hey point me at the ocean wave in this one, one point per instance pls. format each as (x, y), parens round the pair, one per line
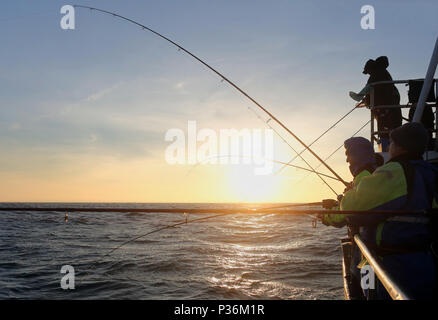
(234, 257)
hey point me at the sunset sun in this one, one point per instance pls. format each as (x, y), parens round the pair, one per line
(247, 186)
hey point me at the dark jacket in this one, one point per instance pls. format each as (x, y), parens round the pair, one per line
(384, 94)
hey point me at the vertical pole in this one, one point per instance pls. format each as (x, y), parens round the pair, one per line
(436, 116)
(373, 138)
(427, 84)
(372, 128)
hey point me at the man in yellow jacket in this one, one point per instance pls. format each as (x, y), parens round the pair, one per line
(405, 183)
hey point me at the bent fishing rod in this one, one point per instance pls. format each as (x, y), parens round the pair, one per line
(222, 77)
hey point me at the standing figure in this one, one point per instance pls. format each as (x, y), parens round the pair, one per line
(384, 94)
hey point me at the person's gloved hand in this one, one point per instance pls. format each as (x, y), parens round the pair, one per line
(361, 104)
(360, 154)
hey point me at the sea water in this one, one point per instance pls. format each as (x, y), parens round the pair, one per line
(238, 256)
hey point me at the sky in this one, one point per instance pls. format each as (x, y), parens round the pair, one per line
(84, 112)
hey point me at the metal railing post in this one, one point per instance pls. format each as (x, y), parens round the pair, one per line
(372, 114)
(390, 285)
(436, 115)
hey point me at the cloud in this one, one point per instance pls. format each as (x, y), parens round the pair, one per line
(180, 85)
(101, 93)
(15, 126)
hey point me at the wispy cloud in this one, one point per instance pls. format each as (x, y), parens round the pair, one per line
(101, 93)
(15, 126)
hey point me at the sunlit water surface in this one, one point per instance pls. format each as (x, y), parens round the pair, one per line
(258, 256)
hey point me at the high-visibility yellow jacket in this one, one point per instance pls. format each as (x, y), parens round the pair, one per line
(404, 185)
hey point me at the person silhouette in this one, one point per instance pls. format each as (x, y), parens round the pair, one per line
(384, 94)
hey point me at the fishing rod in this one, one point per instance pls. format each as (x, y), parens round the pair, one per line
(316, 140)
(209, 210)
(222, 77)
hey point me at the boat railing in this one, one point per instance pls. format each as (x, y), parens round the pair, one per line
(375, 133)
(387, 281)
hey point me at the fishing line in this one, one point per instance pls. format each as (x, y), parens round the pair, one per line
(291, 205)
(314, 141)
(242, 211)
(252, 157)
(298, 154)
(275, 161)
(186, 221)
(338, 148)
(222, 77)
